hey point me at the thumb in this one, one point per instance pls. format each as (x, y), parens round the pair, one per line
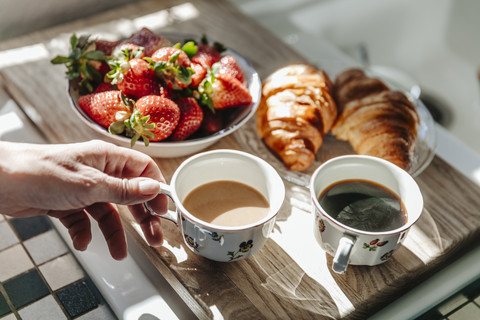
(131, 191)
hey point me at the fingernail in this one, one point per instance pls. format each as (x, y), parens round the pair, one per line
(148, 187)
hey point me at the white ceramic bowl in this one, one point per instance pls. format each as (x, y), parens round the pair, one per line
(172, 149)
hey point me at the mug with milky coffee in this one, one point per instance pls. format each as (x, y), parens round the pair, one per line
(226, 203)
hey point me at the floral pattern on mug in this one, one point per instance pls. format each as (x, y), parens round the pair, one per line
(191, 243)
(387, 255)
(374, 244)
(321, 225)
(216, 237)
(245, 246)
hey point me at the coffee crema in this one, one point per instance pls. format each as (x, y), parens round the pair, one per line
(227, 203)
(364, 205)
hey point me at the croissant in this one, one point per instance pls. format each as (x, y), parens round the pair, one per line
(375, 120)
(296, 110)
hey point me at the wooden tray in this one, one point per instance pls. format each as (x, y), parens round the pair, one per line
(291, 276)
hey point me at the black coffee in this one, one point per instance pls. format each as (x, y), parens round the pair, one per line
(364, 205)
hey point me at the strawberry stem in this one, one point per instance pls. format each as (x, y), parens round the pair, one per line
(169, 72)
(78, 62)
(205, 89)
(137, 127)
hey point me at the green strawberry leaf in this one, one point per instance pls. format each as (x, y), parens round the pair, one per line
(216, 45)
(168, 72)
(205, 89)
(174, 57)
(95, 55)
(219, 47)
(138, 127)
(117, 127)
(78, 62)
(206, 101)
(129, 103)
(184, 75)
(73, 41)
(204, 39)
(61, 60)
(190, 49)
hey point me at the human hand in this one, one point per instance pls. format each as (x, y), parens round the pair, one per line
(72, 181)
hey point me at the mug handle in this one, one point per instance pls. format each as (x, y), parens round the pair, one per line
(170, 214)
(345, 246)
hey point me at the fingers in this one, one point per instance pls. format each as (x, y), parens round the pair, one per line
(118, 161)
(129, 191)
(151, 225)
(111, 226)
(159, 204)
(78, 225)
(109, 222)
(109, 173)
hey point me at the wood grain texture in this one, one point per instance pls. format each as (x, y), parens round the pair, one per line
(291, 276)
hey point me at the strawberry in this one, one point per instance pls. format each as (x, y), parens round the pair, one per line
(105, 86)
(212, 121)
(106, 46)
(172, 66)
(134, 51)
(227, 91)
(199, 75)
(148, 40)
(191, 117)
(206, 55)
(163, 113)
(166, 53)
(166, 92)
(229, 65)
(137, 81)
(103, 107)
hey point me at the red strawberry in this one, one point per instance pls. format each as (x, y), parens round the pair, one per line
(172, 66)
(199, 75)
(102, 107)
(139, 80)
(191, 117)
(166, 92)
(229, 65)
(135, 50)
(227, 91)
(163, 112)
(166, 53)
(103, 68)
(106, 46)
(148, 40)
(206, 55)
(212, 122)
(105, 86)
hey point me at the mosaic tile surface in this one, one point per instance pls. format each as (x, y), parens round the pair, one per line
(39, 276)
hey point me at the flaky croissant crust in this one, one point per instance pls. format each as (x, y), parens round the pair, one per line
(375, 120)
(296, 110)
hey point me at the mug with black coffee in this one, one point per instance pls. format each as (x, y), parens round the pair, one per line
(226, 203)
(364, 207)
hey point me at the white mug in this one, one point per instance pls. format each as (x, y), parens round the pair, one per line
(222, 243)
(358, 247)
